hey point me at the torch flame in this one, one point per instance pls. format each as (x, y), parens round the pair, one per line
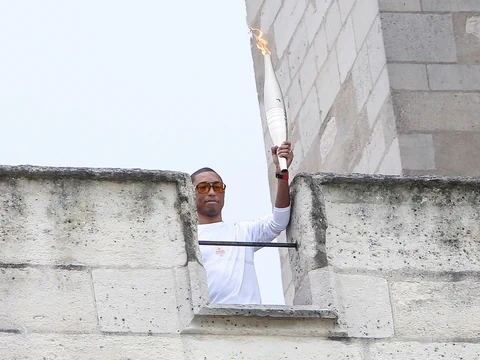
(261, 42)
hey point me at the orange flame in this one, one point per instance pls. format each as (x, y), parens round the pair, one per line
(261, 42)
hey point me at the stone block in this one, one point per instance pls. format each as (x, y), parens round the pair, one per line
(297, 49)
(294, 100)
(308, 71)
(375, 148)
(85, 346)
(59, 218)
(287, 20)
(253, 8)
(320, 47)
(454, 77)
(42, 299)
(402, 43)
(403, 5)
(386, 117)
(352, 148)
(456, 153)
(425, 112)
(314, 20)
(408, 76)
(309, 120)
(418, 151)
(333, 24)
(346, 50)
(345, 8)
(378, 96)
(328, 138)
(392, 162)
(263, 348)
(136, 301)
(365, 309)
(450, 5)
(282, 73)
(328, 84)
(362, 81)
(376, 50)
(318, 288)
(363, 17)
(345, 108)
(268, 14)
(406, 350)
(436, 309)
(467, 37)
(411, 225)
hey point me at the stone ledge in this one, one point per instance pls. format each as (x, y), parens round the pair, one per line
(333, 178)
(80, 173)
(263, 311)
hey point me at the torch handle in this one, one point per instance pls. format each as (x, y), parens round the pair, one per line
(277, 126)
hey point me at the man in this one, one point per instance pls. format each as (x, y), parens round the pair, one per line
(230, 269)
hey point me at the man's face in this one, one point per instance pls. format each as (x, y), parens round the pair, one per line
(211, 203)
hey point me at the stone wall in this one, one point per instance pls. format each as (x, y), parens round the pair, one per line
(104, 264)
(374, 86)
(433, 53)
(396, 257)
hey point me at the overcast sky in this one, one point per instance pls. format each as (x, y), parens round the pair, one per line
(137, 84)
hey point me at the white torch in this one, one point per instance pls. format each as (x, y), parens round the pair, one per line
(273, 100)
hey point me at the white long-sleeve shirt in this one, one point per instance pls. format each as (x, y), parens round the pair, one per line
(230, 269)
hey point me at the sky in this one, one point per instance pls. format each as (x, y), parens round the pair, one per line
(138, 84)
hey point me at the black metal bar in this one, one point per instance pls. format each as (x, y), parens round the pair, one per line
(245, 243)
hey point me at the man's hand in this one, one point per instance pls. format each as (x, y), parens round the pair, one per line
(284, 151)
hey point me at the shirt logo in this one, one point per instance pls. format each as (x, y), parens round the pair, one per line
(220, 251)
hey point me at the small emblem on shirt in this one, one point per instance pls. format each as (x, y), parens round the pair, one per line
(220, 251)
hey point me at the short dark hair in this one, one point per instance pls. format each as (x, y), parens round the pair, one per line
(202, 170)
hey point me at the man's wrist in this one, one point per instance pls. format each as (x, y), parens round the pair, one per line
(281, 175)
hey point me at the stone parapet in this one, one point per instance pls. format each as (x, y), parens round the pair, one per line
(392, 255)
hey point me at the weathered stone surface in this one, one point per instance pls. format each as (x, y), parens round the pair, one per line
(318, 288)
(454, 77)
(381, 90)
(262, 348)
(376, 49)
(450, 5)
(286, 22)
(403, 5)
(268, 12)
(363, 15)
(142, 301)
(426, 351)
(436, 111)
(408, 76)
(95, 217)
(346, 50)
(362, 80)
(345, 8)
(96, 346)
(437, 309)
(391, 163)
(364, 306)
(455, 153)
(467, 37)
(385, 223)
(418, 151)
(402, 43)
(309, 120)
(333, 24)
(328, 83)
(43, 299)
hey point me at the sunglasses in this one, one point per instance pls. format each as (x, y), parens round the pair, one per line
(205, 186)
